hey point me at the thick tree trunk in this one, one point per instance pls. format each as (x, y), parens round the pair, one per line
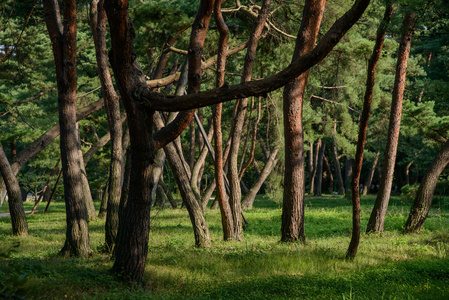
(423, 201)
(63, 37)
(377, 218)
(355, 239)
(319, 173)
(16, 210)
(294, 190)
(369, 179)
(248, 200)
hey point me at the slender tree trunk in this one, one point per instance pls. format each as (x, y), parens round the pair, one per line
(376, 221)
(349, 162)
(329, 174)
(292, 228)
(355, 195)
(63, 37)
(91, 213)
(310, 164)
(369, 179)
(104, 202)
(319, 173)
(248, 200)
(98, 26)
(227, 220)
(341, 186)
(234, 182)
(16, 210)
(315, 167)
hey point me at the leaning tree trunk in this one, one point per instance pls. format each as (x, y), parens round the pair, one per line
(423, 200)
(357, 170)
(377, 218)
(294, 190)
(16, 210)
(369, 179)
(63, 37)
(248, 200)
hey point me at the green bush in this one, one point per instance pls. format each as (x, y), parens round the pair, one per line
(408, 192)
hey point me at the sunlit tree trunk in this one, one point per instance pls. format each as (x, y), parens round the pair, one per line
(294, 190)
(63, 38)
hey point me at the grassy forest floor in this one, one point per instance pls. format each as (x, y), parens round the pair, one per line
(387, 266)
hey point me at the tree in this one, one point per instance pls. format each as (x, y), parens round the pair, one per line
(63, 37)
(17, 213)
(377, 218)
(294, 189)
(357, 169)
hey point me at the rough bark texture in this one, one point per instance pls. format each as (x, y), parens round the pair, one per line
(16, 210)
(363, 127)
(98, 27)
(63, 40)
(377, 218)
(423, 201)
(294, 190)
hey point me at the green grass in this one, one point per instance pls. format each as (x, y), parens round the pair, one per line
(387, 266)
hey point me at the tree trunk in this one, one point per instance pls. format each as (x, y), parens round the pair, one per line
(319, 173)
(248, 200)
(423, 201)
(91, 213)
(104, 202)
(377, 218)
(349, 162)
(227, 220)
(329, 174)
(63, 37)
(310, 164)
(16, 210)
(341, 186)
(292, 228)
(234, 182)
(369, 179)
(98, 27)
(315, 167)
(355, 195)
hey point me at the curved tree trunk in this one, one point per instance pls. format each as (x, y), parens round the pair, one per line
(315, 167)
(16, 210)
(423, 200)
(294, 190)
(357, 170)
(377, 218)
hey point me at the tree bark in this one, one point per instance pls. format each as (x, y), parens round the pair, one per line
(423, 201)
(16, 210)
(377, 218)
(357, 170)
(292, 228)
(315, 167)
(63, 38)
(341, 186)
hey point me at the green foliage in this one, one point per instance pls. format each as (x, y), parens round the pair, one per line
(408, 192)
